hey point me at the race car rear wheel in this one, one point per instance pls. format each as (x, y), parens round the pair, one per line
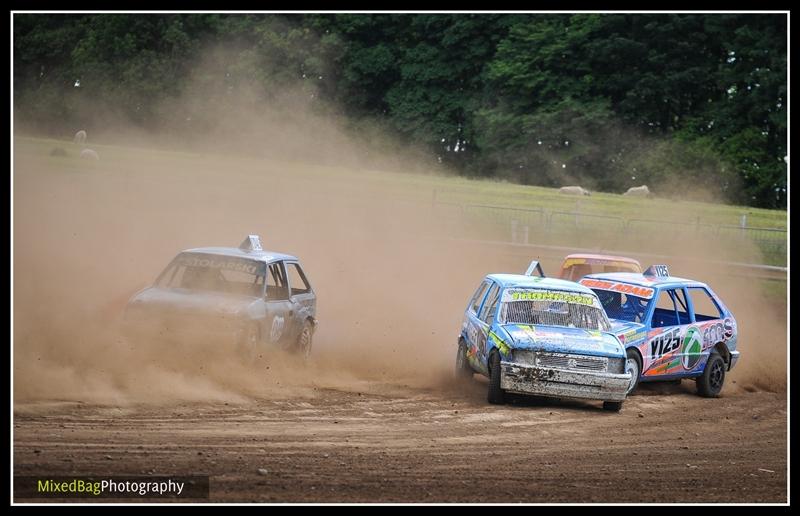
(613, 406)
(496, 395)
(304, 340)
(249, 344)
(709, 384)
(463, 369)
(633, 365)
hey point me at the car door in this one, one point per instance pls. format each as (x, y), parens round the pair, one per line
(277, 324)
(472, 325)
(301, 297)
(669, 322)
(711, 325)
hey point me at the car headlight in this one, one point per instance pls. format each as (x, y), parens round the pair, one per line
(616, 365)
(524, 356)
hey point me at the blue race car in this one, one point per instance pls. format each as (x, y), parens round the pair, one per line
(541, 336)
(672, 328)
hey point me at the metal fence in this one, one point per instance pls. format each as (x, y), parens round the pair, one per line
(529, 225)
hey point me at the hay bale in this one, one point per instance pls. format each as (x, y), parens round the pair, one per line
(80, 137)
(574, 190)
(639, 191)
(89, 154)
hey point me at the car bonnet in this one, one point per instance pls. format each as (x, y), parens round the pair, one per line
(561, 339)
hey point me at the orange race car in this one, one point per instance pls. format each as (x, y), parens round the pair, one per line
(576, 266)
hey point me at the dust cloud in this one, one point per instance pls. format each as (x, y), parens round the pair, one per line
(390, 296)
(391, 285)
(87, 236)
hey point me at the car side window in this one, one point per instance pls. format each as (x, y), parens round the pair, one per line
(705, 308)
(491, 301)
(277, 286)
(487, 312)
(297, 279)
(682, 306)
(478, 297)
(664, 313)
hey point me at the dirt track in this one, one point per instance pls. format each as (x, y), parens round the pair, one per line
(412, 445)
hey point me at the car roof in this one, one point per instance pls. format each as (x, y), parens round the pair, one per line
(523, 281)
(608, 257)
(261, 256)
(635, 278)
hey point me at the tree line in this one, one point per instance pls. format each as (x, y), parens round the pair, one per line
(687, 102)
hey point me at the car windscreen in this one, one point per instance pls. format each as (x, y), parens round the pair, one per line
(623, 306)
(553, 308)
(617, 267)
(215, 273)
(575, 270)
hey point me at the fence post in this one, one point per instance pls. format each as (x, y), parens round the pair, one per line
(525, 230)
(514, 231)
(743, 221)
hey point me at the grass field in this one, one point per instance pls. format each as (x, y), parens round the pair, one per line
(490, 208)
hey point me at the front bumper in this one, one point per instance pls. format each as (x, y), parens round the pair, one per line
(560, 383)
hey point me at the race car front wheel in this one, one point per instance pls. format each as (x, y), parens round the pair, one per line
(633, 365)
(496, 394)
(613, 406)
(709, 384)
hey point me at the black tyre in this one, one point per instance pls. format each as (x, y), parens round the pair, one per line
(613, 406)
(633, 365)
(496, 394)
(463, 370)
(304, 340)
(710, 383)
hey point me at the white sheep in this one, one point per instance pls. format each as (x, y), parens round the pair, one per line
(89, 154)
(80, 137)
(574, 190)
(639, 191)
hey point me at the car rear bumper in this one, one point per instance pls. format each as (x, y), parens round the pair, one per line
(559, 383)
(734, 359)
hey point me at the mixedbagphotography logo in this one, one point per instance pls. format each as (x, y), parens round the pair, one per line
(95, 486)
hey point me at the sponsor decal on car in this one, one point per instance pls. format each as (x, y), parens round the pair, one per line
(633, 335)
(277, 328)
(625, 288)
(248, 266)
(547, 295)
(497, 341)
(692, 350)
